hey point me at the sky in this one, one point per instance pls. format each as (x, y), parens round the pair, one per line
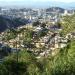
(37, 0)
(37, 3)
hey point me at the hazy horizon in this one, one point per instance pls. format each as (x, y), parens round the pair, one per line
(37, 3)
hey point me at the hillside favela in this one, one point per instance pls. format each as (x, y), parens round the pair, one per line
(37, 37)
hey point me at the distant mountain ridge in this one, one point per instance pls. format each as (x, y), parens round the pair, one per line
(6, 22)
(38, 4)
(55, 9)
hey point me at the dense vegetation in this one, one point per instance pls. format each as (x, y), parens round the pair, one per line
(61, 64)
(69, 24)
(9, 22)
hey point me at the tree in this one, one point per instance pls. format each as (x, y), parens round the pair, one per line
(68, 24)
(63, 63)
(36, 23)
(5, 51)
(23, 67)
(27, 40)
(43, 25)
(10, 34)
(59, 24)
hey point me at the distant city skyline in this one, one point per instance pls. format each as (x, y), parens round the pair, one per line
(38, 3)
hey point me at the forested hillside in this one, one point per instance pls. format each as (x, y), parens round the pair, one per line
(6, 22)
(61, 64)
(68, 24)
